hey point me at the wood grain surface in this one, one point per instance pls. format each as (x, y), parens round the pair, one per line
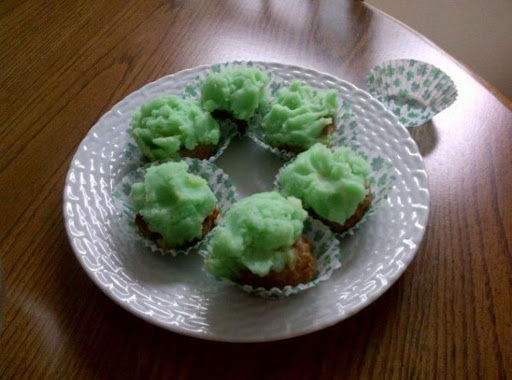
(64, 63)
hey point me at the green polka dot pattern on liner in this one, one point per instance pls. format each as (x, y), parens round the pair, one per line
(327, 256)
(219, 182)
(413, 91)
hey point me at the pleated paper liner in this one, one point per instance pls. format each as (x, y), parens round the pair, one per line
(382, 175)
(381, 179)
(257, 133)
(326, 250)
(228, 130)
(219, 182)
(414, 91)
(193, 91)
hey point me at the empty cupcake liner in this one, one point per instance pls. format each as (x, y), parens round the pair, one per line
(381, 181)
(326, 250)
(219, 182)
(414, 91)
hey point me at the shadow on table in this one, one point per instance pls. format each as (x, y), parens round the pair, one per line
(425, 137)
(106, 342)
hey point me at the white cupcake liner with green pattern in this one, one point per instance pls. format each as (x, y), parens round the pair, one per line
(345, 131)
(326, 250)
(193, 90)
(381, 181)
(256, 134)
(414, 91)
(382, 176)
(219, 182)
(228, 130)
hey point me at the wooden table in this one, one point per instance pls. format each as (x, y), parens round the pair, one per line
(64, 63)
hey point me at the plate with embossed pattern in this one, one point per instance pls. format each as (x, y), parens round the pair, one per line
(174, 292)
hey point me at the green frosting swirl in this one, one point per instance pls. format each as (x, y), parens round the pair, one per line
(237, 91)
(332, 183)
(257, 234)
(164, 126)
(298, 116)
(173, 203)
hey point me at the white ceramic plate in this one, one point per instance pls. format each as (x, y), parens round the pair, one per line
(174, 293)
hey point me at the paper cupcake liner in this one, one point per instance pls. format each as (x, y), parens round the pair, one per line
(414, 91)
(326, 250)
(381, 178)
(193, 90)
(228, 130)
(257, 134)
(381, 183)
(219, 182)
